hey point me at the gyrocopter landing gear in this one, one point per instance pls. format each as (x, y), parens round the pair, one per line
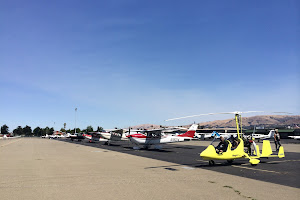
(211, 162)
(229, 161)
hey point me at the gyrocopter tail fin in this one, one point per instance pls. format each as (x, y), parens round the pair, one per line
(266, 149)
(281, 152)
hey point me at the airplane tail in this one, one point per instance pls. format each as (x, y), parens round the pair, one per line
(271, 134)
(191, 132)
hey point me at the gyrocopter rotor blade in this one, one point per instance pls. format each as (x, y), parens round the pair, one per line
(235, 112)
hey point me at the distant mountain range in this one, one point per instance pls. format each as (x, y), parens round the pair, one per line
(146, 126)
(261, 120)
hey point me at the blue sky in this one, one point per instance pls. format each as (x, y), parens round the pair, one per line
(130, 62)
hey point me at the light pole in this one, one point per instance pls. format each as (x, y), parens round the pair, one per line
(75, 119)
(65, 128)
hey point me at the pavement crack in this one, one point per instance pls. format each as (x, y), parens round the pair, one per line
(238, 192)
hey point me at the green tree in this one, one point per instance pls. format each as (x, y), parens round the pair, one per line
(89, 129)
(18, 131)
(62, 130)
(99, 129)
(37, 132)
(4, 129)
(51, 130)
(46, 131)
(77, 130)
(27, 131)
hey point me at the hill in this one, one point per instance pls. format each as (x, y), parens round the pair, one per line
(146, 126)
(261, 120)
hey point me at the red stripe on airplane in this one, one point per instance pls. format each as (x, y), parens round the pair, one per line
(137, 136)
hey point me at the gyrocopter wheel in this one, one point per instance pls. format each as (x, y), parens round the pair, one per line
(229, 161)
(211, 162)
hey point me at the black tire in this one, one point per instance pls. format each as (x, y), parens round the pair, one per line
(229, 161)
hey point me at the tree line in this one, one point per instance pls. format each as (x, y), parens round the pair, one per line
(28, 132)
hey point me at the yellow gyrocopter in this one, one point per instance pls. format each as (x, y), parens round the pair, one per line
(230, 154)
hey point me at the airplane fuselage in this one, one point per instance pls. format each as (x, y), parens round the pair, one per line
(145, 140)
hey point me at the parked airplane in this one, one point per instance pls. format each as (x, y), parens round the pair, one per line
(76, 136)
(263, 137)
(155, 137)
(216, 134)
(295, 137)
(8, 136)
(93, 137)
(112, 135)
(203, 136)
(45, 136)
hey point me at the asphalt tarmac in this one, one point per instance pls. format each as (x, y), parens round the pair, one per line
(36, 168)
(284, 171)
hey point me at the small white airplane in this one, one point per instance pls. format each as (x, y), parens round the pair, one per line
(116, 135)
(92, 137)
(155, 137)
(9, 137)
(295, 137)
(45, 136)
(264, 137)
(203, 136)
(108, 136)
(76, 136)
(215, 135)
